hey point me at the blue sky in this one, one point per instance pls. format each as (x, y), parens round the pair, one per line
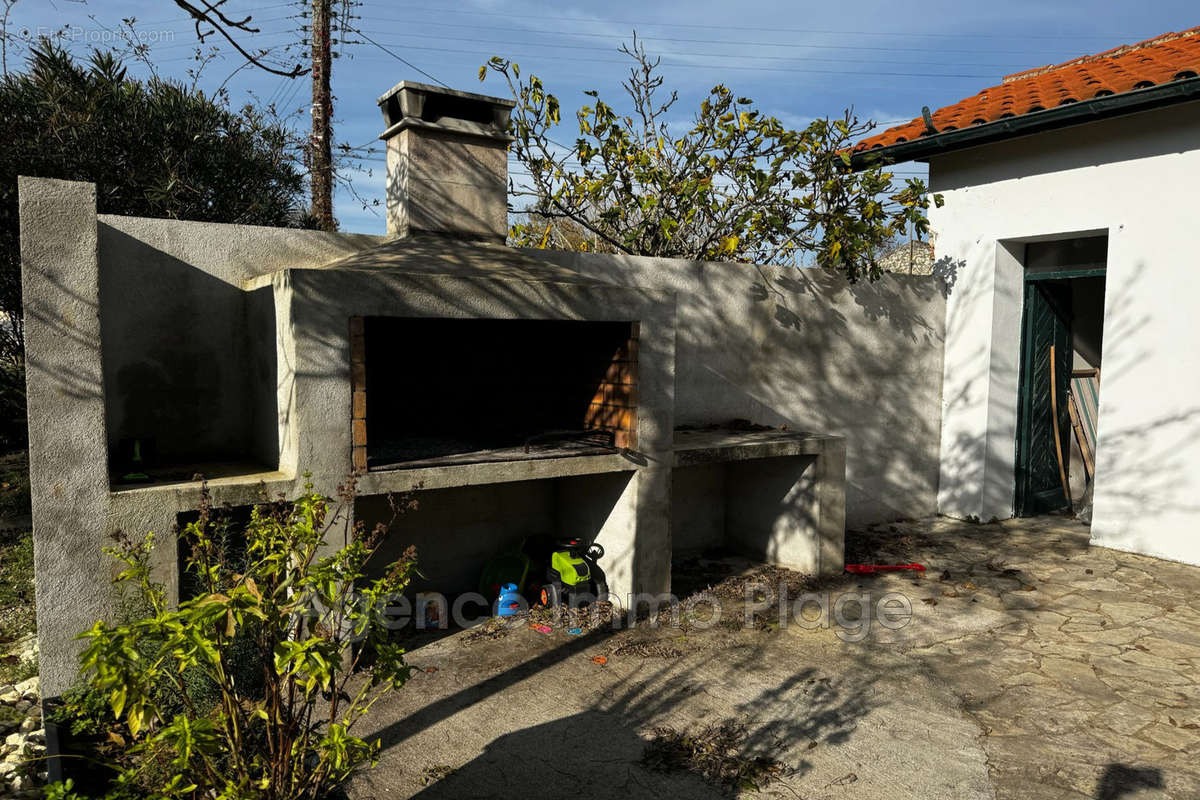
(798, 60)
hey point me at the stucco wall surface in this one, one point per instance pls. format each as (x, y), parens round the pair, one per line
(802, 348)
(1134, 179)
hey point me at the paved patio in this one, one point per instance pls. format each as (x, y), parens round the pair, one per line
(1033, 667)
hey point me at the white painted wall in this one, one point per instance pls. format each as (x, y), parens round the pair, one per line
(1138, 178)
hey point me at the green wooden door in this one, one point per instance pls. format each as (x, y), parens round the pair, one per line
(1047, 322)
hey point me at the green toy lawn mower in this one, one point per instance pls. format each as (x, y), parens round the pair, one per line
(573, 574)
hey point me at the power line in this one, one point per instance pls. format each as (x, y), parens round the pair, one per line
(577, 47)
(772, 29)
(399, 58)
(794, 45)
(191, 19)
(665, 63)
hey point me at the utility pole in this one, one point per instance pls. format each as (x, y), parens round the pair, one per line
(326, 16)
(320, 151)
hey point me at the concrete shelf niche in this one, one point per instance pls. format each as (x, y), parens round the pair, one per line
(776, 496)
(189, 367)
(458, 530)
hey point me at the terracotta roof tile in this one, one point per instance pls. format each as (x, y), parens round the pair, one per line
(1170, 57)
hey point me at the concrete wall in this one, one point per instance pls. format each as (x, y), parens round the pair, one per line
(189, 356)
(698, 505)
(1132, 178)
(636, 531)
(766, 508)
(801, 347)
(241, 334)
(72, 261)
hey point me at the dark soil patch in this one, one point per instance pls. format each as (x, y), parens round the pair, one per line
(647, 649)
(715, 753)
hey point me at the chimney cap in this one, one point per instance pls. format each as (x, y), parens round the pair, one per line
(429, 88)
(436, 108)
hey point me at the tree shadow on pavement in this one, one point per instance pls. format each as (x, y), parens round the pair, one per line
(590, 754)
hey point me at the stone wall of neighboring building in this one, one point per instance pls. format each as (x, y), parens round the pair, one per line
(909, 258)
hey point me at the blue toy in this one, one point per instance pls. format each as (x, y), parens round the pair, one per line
(509, 602)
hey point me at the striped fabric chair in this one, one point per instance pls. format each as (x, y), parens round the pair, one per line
(1085, 408)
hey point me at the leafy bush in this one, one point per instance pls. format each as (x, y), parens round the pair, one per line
(14, 466)
(13, 432)
(154, 148)
(188, 722)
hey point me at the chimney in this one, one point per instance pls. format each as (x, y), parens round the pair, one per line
(447, 161)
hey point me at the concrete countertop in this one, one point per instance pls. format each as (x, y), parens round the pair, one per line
(709, 446)
(231, 483)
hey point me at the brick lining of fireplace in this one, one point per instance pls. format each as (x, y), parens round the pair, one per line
(614, 405)
(611, 397)
(358, 394)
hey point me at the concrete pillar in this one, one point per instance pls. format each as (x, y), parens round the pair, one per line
(67, 441)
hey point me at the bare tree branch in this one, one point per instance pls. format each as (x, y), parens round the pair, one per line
(209, 13)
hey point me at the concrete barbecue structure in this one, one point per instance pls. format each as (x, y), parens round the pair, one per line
(523, 391)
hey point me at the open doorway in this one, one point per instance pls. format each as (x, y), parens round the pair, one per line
(1061, 346)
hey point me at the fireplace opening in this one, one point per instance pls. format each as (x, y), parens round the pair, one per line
(430, 392)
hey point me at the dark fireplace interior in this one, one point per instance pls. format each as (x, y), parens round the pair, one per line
(453, 391)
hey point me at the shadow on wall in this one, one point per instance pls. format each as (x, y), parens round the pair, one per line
(1148, 453)
(968, 466)
(78, 383)
(189, 360)
(803, 348)
(1151, 454)
(861, 360)
(946, 269)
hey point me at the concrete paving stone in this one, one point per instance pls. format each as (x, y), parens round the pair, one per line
(1128, 613)
(1125, 718)
(1087, 583)
(1136, 655)
(1126, 666)
(1072, 648)
(1023, 600)
(1113, 636)
(1078, 676)
(1172, 737)
(1148, 694)
(1173, 629)
(1073, 600)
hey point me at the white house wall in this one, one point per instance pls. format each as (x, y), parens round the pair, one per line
(1135, 178)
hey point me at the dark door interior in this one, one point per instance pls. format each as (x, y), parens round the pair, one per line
(1047, 322)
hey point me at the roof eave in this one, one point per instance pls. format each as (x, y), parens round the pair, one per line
(1116, 105)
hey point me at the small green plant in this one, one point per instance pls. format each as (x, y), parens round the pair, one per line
(16, 586)
(189, 722)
